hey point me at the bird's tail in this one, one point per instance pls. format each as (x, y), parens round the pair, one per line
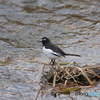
(72, 55)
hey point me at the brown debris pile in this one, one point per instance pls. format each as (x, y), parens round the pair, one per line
(73, 75)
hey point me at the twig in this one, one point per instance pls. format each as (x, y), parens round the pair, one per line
(91, 83)
(54, 80)
(37, 94)
(71, 76)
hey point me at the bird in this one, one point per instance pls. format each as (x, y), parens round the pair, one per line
(52, 51)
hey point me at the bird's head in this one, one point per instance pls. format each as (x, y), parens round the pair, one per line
(45, 40)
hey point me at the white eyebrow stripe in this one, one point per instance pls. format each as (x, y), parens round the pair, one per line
(43, 39)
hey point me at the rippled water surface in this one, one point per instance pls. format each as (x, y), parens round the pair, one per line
(73, 25)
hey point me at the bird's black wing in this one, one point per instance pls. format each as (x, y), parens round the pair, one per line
(60, 52)
(56, 49)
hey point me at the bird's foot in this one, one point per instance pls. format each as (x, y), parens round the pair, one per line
(52, 63)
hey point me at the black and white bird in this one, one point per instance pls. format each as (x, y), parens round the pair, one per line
(52, 51)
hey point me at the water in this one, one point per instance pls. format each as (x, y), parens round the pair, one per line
(71, 24)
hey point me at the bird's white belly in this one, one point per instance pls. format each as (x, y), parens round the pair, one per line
(48, 53)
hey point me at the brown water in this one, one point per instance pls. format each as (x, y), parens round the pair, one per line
(73, 25)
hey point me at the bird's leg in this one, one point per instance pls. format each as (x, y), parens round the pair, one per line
(51, 62)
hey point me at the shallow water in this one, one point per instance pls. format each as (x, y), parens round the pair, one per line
(71, 24)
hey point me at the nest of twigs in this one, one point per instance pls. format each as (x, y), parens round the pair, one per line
(73, 75)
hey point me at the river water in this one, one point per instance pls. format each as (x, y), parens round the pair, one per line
(73, 25)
